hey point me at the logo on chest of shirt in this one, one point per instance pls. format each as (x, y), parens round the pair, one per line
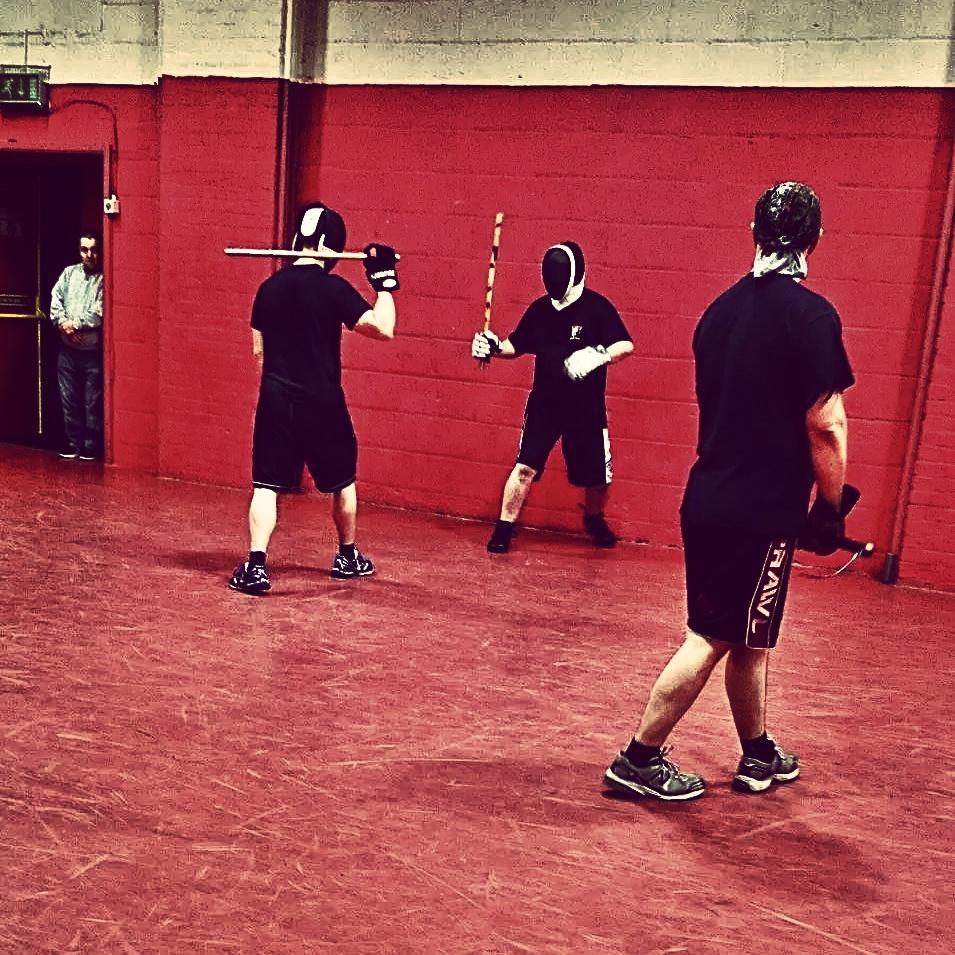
(575, 332)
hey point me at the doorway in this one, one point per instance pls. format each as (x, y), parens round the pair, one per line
(46, 201)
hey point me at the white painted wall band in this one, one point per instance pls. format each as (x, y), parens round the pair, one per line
(786, 43)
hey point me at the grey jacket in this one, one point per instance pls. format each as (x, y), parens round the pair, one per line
(78, 300)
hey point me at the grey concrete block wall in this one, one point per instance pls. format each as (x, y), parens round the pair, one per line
(670, 42)
(482, 42)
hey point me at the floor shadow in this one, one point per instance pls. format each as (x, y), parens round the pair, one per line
(529, 792)
(768, 837)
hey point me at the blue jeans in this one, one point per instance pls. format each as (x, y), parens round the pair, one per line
(80, 376)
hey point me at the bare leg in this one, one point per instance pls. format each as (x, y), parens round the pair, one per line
(595, 499)
(746, 675)
(516, 489)
(345, 513)
(677, 687)
(263, 514)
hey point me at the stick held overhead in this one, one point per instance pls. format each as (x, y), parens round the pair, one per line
(303, 254)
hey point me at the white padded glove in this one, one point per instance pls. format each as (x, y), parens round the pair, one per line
(585, 360)
(485, 345)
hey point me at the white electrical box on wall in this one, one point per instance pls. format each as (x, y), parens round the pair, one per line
(111, 205)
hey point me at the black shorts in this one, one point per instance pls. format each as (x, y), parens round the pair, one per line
(585, 445)
(736, 583)
(291, 433)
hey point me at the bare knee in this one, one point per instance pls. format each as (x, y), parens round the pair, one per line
(523, 473)
(742, 655)
(346, 498)
(710, 652)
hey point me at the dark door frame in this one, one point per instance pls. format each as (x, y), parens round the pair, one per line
(105, 156)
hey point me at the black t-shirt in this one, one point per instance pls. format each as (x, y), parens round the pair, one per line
(551, 336)
(300, 311)
(766, 350)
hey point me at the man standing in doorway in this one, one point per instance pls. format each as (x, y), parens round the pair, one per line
(76, 308)
(770, 372)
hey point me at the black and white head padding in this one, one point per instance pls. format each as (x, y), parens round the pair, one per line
(320, 226)
(562, 269)
(787, 218)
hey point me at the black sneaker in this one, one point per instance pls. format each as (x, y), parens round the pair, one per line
(600, 533)
(69, 453)
(87, 456)
(500, 542)
(344, 567)
(755, 776)
(661, 779)
(250, 579)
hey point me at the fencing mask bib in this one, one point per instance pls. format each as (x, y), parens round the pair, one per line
(563, 272)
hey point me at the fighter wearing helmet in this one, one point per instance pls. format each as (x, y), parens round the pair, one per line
(302, 418)
(574, 333)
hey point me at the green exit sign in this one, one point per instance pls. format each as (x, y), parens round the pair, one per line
(25, 86)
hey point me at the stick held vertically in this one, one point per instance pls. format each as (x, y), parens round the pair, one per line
(492, 268)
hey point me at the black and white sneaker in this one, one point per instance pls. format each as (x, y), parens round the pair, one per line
(661, 779)
(599, 532)
(250, 579)
(755, 776)
(69, 453)
(344, 567)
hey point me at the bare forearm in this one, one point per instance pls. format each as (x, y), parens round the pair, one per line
(619, 350)
(379, 321)
(827, 429)
(829, 464)
(385, 314)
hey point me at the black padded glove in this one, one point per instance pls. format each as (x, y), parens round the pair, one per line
(825, 526)
(380, 268)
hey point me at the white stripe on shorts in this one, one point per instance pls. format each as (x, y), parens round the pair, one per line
(608, 464)
(764, 606)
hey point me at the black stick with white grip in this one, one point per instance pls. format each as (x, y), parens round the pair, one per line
(850, 497)
(857, 549)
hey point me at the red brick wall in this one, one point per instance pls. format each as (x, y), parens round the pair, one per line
(928, 550)
(218, 172)
(131, 240)
(658, 186)
(134, 314)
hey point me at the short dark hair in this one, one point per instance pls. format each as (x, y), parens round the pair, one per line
(92, 234)
(787, 217)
